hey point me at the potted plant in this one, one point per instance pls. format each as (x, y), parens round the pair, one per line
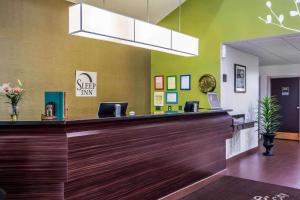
(14, 95)
(269, 122)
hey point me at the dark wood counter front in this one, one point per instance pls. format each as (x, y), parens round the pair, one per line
(33, 161)
(129, 158)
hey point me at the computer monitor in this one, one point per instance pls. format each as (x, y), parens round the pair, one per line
(189, 106)
(213, 101)
(107, 109)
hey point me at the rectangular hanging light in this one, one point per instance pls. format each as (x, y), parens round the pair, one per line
(151, 34)
(92, 22)
(184, 42)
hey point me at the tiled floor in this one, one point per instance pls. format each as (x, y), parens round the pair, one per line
(282, 169)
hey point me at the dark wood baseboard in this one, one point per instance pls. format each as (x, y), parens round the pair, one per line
(242, 155)
(194, 187)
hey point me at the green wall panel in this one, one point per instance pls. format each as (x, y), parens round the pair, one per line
(215, 22)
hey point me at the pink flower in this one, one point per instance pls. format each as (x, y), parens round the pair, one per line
(17, 90)
(5, 88)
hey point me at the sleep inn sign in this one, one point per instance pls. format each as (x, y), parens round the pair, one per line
(86, 84)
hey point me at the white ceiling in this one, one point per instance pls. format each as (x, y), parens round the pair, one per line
(158, 9)
(281, 50)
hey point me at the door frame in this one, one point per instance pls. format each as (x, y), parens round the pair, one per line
(286, 76)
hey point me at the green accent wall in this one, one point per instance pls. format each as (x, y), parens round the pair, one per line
(215, 22)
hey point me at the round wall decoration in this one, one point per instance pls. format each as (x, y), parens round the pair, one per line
(207, 83)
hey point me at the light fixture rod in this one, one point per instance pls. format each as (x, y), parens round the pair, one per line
(148, 15)
(179, 17)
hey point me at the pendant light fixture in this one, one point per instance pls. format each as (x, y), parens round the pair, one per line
(97, 23)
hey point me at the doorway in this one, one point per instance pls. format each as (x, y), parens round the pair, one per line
(286, 90)
(278, 58)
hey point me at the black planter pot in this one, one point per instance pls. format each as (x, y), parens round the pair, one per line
(268, 143)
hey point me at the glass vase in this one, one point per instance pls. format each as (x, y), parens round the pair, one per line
(14, 112)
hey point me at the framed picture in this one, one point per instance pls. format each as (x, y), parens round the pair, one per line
(185, 82)
(159, 98)
(240, 78)
(172, 98)
(159, 83)
(171, 83)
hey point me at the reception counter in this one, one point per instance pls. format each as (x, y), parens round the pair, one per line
(143, 157)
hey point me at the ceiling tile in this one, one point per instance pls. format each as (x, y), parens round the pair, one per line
(293, 40)
(275, 46)
(281, 50)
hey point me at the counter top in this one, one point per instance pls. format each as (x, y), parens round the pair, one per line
(112, 119)
(238, 126)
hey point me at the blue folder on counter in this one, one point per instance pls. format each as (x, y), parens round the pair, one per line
(58, 99)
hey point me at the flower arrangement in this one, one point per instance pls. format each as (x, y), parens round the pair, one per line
(14, 95)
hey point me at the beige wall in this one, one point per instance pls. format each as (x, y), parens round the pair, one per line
(35, 47)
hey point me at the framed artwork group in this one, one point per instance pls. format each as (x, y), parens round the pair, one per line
(169, 83)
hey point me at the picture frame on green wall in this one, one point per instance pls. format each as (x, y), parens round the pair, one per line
(185, 82)
(159, 98)
(159, 82)
(171, 97)
(172, 82)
